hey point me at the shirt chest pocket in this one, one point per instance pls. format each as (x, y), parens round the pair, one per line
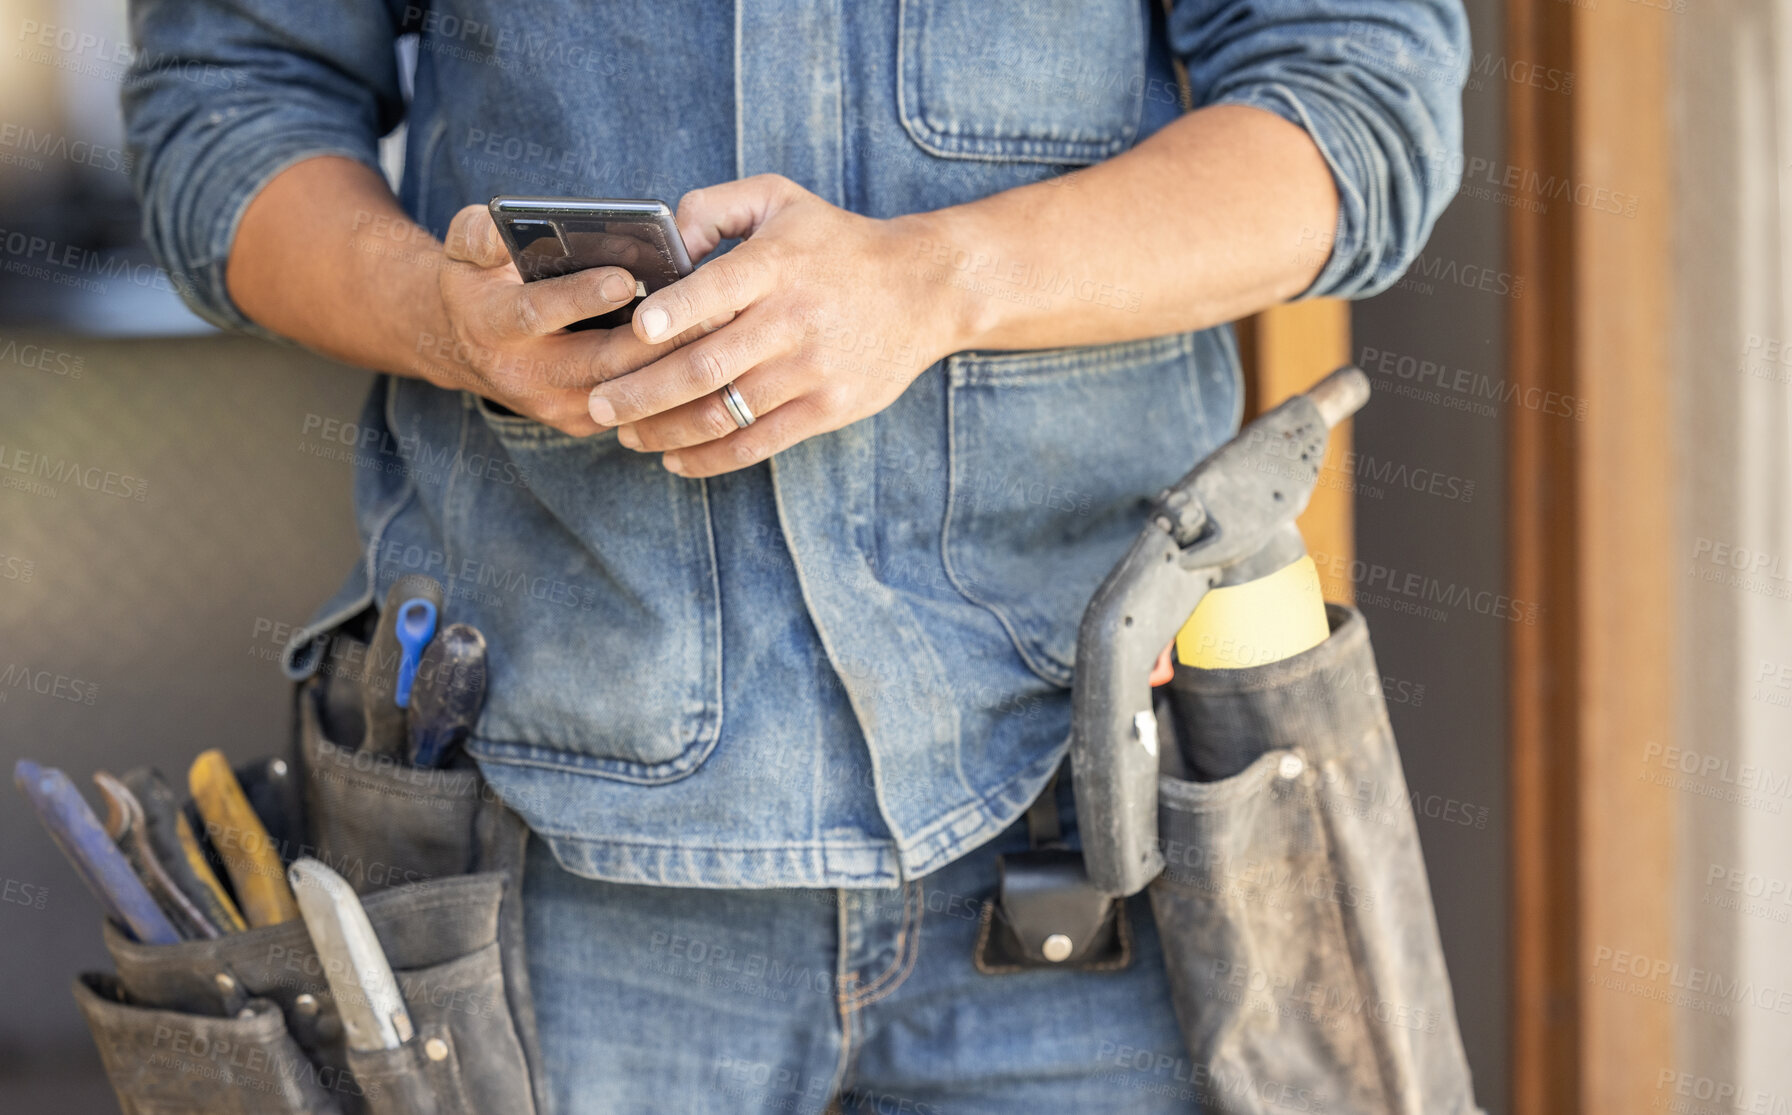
(1020, 81)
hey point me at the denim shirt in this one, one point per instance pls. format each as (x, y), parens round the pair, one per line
(850, 664)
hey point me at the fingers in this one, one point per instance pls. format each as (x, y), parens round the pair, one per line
(727, 285)
(550, 378)
(546, 382)
(550, 305)
(688, 373)
(1163, 671)
(566, 413)
(713, 214)
(589, 357)
(562, 408)
(705, 419)
(473, 238)
(782, 428)
(723, 286)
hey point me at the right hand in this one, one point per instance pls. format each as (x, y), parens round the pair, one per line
(510, 343)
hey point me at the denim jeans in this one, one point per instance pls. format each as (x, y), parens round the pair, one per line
(675, 999)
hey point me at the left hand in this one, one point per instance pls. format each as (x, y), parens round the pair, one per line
(825, 319)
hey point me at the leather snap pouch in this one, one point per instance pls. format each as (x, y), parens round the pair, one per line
(1045, 913)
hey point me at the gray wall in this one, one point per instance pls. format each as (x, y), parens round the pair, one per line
(156, 612)
(1453, 742)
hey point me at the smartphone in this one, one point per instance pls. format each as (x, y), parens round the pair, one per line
(552, 236)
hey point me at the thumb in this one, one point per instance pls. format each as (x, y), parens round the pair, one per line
(473, 238)
(731, 210)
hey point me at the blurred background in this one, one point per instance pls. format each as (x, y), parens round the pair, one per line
(1578, 447)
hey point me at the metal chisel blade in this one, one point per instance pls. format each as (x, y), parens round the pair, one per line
(368, 1001)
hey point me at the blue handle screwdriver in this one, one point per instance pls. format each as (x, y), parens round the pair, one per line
(412, 603)
(97, 860)
(416, 626)
(449, 693)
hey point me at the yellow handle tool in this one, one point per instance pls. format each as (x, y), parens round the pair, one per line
(242, 842)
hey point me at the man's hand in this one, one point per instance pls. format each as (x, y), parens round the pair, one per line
(509, 338)
(825, 319)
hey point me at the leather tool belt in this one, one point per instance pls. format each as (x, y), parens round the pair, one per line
(245, 1024)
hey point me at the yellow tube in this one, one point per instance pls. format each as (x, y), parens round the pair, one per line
(1260, 621)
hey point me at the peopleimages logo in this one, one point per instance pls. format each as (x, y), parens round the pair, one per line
(53, 261)
(1452, 272)
(47, 683)
(1476, 391)
(375, 447)
(28, 141)
(1719, 769)
(1723, 1095)
(531, 51)
(91, 55)
(41, 358)
(15, 568)
(1759, 562)
(1423, 589)
(33, 472)
(1661, 976)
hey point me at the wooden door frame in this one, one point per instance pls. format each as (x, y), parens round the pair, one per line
(1590, 531)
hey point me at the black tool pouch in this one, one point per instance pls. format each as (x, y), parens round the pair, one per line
(246, 1023)
(1045, 913)
(379, 823)
(1294, 910)
(162, 1061)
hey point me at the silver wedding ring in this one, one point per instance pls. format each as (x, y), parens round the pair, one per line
(737, 406)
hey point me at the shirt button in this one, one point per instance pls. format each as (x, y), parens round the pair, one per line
(436, 1049)
(1290, 767)
(1056, 948)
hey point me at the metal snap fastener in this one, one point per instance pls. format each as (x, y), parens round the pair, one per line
(1291, 766)
(435, 1049)
(225, 983)
(1057, 948)
(305, 1004)
(277, 768)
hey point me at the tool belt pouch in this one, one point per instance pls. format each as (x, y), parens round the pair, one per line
(1045, 914)
(246, 1023)
(1295, 915)
(176, 1061)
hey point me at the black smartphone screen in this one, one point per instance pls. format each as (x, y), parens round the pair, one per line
(553, 236)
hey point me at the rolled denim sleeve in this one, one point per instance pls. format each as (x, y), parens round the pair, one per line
(1376, 83)
(222, 95)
